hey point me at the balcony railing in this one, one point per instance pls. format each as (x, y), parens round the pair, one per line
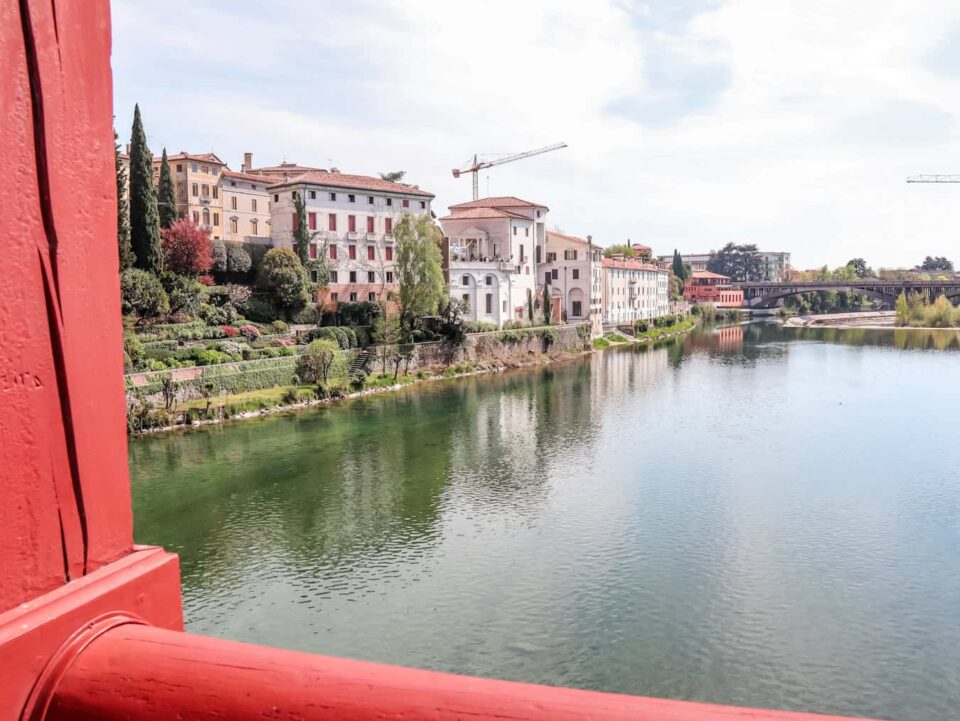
(371, 236)
(388, 238)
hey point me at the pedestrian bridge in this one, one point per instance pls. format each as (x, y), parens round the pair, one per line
(769, 295)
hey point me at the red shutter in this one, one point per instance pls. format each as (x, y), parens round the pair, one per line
(353, 252)
(352, 223)
(313, 251)
(296, 220)
(389, 253)
(371, 253)
(333, 252)
(406, 203)
(389, 226)
(370, 224)
(312, 221)
(332, 222)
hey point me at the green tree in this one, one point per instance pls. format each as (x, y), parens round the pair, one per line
(860, 268)
(142, 295)
(127, 258)
(283, 274)
(301, 234)
(418, 267)
(624, 249)
(938, 263)
(530, 305)
(546, 304)
(315, 365)
(386, 334)
(739, 262)
(678, 268)
(166, 200)
(394, 177)
(144, 219)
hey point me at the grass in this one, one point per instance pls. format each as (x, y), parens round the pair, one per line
(600, 343)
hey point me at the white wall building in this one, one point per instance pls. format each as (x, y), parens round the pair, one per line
(354, 217)
(633, 290)
(246, 206)
(495, 245)
(572, 270)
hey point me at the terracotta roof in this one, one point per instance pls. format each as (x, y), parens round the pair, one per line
(478, 213)
(557, 234)
(201, 157)
(629, 265)
(354, 182)
(708, 274)
(501, 201)
(284, 168)
(227, 173)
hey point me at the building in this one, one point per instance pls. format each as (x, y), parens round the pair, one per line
(633, 290)
(246, 205)
(776, 266)
(706, 287)
(196, 188)
(351, 218)
(494, 247)
(284, 171)
(572, 271)
(696, 261)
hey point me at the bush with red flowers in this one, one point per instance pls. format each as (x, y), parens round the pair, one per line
(250, 332)
(229, 331)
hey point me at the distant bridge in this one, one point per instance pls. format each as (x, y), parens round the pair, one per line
(769, 295)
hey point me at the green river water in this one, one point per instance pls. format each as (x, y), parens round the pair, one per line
(756, 515)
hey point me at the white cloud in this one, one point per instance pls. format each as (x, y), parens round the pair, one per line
(791, 125)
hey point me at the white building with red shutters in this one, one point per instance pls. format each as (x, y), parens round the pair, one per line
(495, 245)
(352, 218)
(633, 290)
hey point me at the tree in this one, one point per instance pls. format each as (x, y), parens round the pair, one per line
(386, 334)
(623, 249)
(418, 267)
(218, 252)
(530, 305)
(859, 266)
(284, 275)
(546, 304)
(738, 262)
(142, 295)
(394, 177)
(185, 294)
(238, 260)
(301, 234)
(315, 365)
(166, 200)
(127, 259)
(187, 248)
(938, 263)
(675, 287)
(144, 219)
(678, 268)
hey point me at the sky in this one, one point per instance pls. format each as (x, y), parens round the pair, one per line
(690, 123)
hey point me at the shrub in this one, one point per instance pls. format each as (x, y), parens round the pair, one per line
(259, 308)
(358, 381)
(317, 364)
(187, 248)
(218, 315)
(229, 331)
(481, 326)
(142, 294)
(238, 294)
(278, 326)
(362, 334)
(232, 349)
(238, 260)
(641, 326)
(218, 256)
(283, 274)
(308, 315)
(185, 294)
(250, 332)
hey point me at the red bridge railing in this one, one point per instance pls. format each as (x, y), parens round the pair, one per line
(90, 625)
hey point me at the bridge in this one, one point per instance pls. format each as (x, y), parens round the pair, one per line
(769, 295)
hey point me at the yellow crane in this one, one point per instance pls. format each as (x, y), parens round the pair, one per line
(475, 165)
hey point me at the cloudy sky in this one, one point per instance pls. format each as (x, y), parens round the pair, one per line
(791, 124)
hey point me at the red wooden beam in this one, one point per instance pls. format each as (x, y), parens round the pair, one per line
(149, 674)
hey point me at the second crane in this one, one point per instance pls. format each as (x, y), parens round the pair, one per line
(477, 165)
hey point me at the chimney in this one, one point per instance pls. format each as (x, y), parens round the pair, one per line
(128, 148)
(334, 170)
(247, 163)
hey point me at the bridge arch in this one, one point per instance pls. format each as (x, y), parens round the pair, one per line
(771, 300)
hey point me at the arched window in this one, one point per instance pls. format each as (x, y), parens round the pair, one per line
(206, 216)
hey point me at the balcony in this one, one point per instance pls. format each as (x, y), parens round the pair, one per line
(352, 235)
(371, 237)
(388, 238)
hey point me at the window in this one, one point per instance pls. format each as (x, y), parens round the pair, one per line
(194, 190)
(523, 256)
(526, 232)
(233, 185)
(406, 203)
(312, 221)
(551, 257)
(214, 170)
(577, 308)
(353, 276)
(352, 223)
(179, 167)
(389, 201)
(389, 253)
(570, 255)
(352, 252)
(296, 220)
(489, 304)
(233, 202)
(333, 276)
(370, 199)
(389, 224)
(314, 276)
(206, 216)
(233, 225)
(371, 253)
(423, 204)
(313, 251)
(276, 197)
(334, 297)
(504, 307)
(514, 230)
(389, 276)
(333, 252)
(488, 280)
(353, 297)
(205, 169)
(538, 213)
(372, 297)
(576, 274)
(371, 277)
(253, 204)
(369, 223)
(253, 226)
(466, 299)
(180, 188)
(196, 217)
(333, 196)
(465, 280)
(193, 167)
(205, 190)
(546, 277)
(216, 192)
(351, 198)
(313, 195)
(538, 253)
(555, 274)
(332, 221)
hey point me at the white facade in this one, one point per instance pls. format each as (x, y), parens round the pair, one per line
(634, 291)
(246, 206)
(352, 217)
(572, 271)
(494, 247)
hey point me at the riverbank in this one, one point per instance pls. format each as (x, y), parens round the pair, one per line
(868, 319)
(613, 339)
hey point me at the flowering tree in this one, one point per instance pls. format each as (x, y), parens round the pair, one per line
(187, 248)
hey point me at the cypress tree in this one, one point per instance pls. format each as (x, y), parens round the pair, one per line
(127, 259)
(166, 200)
(301, 234)
(144, 220)
(678, 268)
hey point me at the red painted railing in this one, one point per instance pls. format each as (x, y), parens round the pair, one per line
(91, 625)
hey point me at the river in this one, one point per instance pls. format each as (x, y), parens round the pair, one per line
(759, 515)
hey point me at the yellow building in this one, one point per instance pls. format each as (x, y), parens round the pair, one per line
(246, 205)
(197, 188)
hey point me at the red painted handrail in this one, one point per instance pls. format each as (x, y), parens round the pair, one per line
(151, 674)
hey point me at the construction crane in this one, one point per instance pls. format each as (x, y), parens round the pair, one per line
(934, 179)
(476, 165)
